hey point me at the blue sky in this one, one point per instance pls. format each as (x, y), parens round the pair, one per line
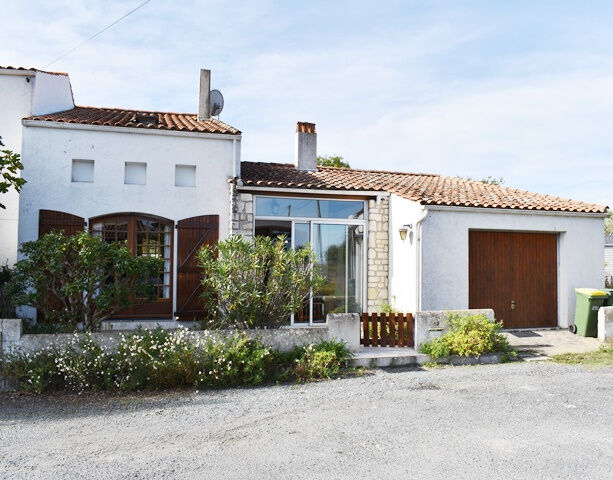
(521, 90)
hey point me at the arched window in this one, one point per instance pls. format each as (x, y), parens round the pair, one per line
(144, 235)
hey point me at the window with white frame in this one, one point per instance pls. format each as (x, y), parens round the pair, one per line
(335, 229)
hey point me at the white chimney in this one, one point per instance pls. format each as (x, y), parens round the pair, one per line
(204, 109)
(306, 147)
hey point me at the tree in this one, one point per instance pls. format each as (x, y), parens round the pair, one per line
(608, 222)
(332, 161)
(492, 180)
(74, 279)
(10, 166)
(255, 284)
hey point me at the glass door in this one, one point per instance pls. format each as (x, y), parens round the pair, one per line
(338, 254)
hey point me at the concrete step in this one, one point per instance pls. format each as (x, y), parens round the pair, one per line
(379, 357)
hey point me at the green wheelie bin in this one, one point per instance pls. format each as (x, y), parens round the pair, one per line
(608, 301)
(589, 300)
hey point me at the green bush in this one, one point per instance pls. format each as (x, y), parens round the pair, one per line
(468, 335)
(74, 279)
(255, 284)
(159, 360)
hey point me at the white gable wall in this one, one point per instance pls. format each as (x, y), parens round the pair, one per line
(52, 93)
(444, 253)
(48, 155)
(24, 93)
(15, 101)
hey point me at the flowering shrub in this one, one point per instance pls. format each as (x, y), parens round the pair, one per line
(468, 335)
(159, 359)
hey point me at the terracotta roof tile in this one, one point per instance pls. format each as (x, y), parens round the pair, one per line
(426, 189)
(119, 117)
(25, 69)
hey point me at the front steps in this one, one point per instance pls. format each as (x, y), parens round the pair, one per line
(380, 357)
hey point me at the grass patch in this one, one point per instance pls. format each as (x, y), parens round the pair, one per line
(603, 357)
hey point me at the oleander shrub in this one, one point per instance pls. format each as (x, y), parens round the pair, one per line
(255, 284)
(468, 335)
(160, 360)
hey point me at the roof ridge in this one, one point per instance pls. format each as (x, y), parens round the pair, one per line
(351, 169)
(139, 110)
(25, 69)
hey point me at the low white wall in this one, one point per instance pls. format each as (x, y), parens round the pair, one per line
(445, 252)
(433, 324)
(341, 327)
(605, 324)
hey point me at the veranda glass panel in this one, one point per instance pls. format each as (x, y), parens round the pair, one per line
(302, 234)
(308, 208)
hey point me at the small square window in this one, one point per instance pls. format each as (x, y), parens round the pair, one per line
(83, 171)
(185, 175)
(135, 173)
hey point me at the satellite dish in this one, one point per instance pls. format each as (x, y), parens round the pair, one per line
(216, 99)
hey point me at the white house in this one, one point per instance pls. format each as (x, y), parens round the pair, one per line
(168, 183)
(24, 92)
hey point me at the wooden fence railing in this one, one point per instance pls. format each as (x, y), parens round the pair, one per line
(387, 330)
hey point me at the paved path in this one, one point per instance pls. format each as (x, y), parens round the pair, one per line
(521, 420)
(550, 342)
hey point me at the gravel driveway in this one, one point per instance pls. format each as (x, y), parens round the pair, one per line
(522, 420)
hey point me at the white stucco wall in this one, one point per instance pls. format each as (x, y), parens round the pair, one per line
(15, 100)
(403, 254)
(52, 93)
(445, 252)
(24, 93)
(48, 154)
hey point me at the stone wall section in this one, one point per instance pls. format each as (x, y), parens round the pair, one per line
(378, 254)
(242, 213)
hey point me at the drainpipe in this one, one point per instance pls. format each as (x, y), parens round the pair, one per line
(418, 259)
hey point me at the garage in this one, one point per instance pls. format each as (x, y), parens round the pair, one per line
(515, 273)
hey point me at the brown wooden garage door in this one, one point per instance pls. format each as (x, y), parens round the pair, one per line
(516, 275)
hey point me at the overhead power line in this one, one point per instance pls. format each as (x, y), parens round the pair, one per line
(97, 33)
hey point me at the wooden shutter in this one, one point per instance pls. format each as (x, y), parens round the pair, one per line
(54, 221)
(192, 234)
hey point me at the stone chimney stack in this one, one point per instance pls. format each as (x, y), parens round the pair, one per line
(306, 147)
(204, 104)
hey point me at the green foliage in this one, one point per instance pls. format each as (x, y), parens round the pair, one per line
(159, 359)
(323, 360)
(608, 222)
(468, 335)
(74, 279)
(10, 166)
(492, 180)
(332, 161)
(237, 360)
(388, 308)
(255, 284)
(601, 358)
(7, 308)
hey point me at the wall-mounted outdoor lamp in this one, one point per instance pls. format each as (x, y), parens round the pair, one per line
(403, 231)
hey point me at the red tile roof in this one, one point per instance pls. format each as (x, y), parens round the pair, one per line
(25, 69)
(426, 189)
(118, 117)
